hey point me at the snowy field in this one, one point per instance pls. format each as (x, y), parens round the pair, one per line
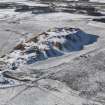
(50, 58)
(102, 1)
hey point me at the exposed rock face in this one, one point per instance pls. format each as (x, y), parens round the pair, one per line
(81, 7)
(21, 7)
(53, 43)
(100, 20)
(6, 5)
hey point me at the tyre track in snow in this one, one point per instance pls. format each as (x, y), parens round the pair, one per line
(55, 69)
(51, 71)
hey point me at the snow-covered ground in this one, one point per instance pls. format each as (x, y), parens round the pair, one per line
(71, 74)
(101, 1)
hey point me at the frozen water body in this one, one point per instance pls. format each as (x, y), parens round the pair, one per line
(53, 43)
